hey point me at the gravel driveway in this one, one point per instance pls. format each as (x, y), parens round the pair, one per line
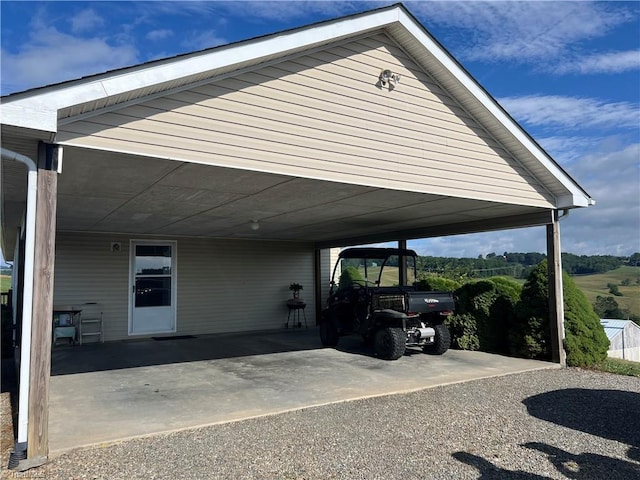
(545, 424)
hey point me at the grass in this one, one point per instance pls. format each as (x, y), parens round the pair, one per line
(596, 285)
(619, 367)
(5, 283)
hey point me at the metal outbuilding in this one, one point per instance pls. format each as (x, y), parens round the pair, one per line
(624, 338)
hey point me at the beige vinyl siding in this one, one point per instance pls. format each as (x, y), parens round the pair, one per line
(322, 116)
(222, 285)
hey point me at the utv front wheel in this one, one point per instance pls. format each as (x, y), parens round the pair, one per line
(390, 343)
(328, 333)
(441, 341)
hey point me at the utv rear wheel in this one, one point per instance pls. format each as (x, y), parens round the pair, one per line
(441, 341)
(328, 333)
(390, 343)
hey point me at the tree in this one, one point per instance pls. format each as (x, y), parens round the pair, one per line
(607, 307)
(613, 289)
(585, 340)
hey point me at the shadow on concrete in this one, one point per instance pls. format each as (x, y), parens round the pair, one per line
(353, 344)
(97, 357)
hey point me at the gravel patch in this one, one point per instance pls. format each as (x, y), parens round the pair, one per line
(557, 424)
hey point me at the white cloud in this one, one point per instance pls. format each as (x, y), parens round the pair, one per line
(288, 10)
(566, 149)
(610, 175)
(51, 56)
(159, 34)
(203, 40)
(521, 31)
(612, 62)
(571, 112)
(85, 21)
(472, 245)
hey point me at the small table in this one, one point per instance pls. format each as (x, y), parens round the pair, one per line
(64, 323)
(294, 306)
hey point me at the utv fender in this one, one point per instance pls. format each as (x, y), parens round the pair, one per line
(389, 318)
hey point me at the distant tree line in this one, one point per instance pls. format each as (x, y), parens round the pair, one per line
(519, 265)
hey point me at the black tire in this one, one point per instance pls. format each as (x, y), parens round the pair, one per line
(441, 341)
(328, 333)
(390, 343)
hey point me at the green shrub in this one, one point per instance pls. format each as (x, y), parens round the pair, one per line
(585, 341)
(432, 282)
(487, 307)
(464, 331)
(530, 335)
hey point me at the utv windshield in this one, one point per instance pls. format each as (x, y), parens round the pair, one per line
(372, 271)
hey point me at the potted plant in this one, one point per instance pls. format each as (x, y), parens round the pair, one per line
(295, 288)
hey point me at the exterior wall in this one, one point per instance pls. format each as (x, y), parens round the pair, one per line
(323, 116)
(626, 343)
(222, 285)
(631, 354)
(328, 258)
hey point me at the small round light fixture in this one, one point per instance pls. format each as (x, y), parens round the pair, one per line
(254, 225)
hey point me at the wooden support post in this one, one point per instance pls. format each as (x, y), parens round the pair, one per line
(41, 323)
(402, 267)
(317, 270)
(556, 298)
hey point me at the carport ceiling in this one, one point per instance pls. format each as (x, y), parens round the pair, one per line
(112, 192)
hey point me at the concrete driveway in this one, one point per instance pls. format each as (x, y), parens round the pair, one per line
(107, 392)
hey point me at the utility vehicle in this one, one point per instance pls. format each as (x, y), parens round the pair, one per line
(371, 297)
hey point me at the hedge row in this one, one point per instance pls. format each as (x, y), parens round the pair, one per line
(498, 315)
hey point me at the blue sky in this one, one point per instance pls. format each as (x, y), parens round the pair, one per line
(569, 72)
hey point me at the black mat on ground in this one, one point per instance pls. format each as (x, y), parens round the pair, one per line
(177, 337)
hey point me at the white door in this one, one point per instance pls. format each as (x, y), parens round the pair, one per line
(153, 288)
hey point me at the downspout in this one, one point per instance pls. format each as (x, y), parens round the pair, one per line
(565, 214)
(20, 451)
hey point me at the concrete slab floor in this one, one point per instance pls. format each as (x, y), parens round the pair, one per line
(161, 386)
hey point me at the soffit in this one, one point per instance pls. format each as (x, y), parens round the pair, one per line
(111, 192)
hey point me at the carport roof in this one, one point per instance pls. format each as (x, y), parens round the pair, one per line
(37, 113)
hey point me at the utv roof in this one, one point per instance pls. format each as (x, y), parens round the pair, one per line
(371, 252)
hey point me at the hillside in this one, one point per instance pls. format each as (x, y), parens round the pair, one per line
(5, 283)
(596, 285)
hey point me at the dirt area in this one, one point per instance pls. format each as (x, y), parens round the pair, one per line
(6, 429)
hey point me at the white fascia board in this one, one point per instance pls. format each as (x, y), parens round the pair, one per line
(28, 116)
(573, 201)
(448, 63)
(39, 111)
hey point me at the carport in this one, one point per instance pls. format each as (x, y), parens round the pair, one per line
(233, 169)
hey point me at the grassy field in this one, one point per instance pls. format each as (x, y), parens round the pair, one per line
(5, 283)
(596, 285)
